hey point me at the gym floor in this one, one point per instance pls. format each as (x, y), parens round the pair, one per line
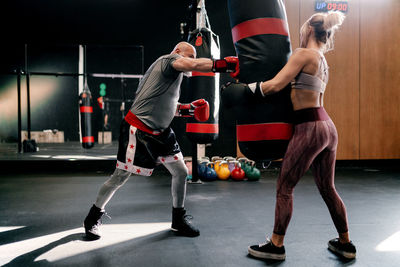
(42, 213)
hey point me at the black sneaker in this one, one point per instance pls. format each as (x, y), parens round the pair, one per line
(92, 223)
(347, 250)
(181, 224)
(267, 251)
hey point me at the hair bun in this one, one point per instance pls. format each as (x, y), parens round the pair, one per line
(333, 19)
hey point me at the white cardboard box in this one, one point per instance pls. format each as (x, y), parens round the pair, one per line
(107, 137)
(44, 136)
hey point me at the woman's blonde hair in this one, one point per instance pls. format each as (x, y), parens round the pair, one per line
(324, 26)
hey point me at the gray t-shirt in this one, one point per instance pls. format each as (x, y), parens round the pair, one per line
(158, 93)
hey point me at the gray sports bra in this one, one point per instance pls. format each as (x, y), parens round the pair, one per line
(315, 82)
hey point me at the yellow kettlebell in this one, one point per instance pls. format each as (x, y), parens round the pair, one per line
(216, 164)
(223, 170)
(215, 158)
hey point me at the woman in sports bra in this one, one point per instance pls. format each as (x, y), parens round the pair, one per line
(315, 138)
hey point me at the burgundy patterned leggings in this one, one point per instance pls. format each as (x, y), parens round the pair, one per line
(313, 144)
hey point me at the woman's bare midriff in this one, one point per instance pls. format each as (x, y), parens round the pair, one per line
(302, 99)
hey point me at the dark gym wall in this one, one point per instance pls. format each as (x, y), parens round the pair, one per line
(152, 24)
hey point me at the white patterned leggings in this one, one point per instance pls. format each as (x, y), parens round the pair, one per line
(177, 169)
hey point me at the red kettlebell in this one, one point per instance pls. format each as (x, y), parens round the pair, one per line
(237, 173)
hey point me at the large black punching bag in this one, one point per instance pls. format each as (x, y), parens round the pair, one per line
(204, 85)
(261, 37)
(86, 112)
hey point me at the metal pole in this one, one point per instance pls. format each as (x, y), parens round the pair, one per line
(200, 23)
(85, 87)
(195, 174)
(28, 100)
(19, 110)
(28, 95)
(80, 89)
(143, 70)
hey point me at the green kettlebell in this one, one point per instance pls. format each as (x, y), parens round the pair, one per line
(253, 174)
(244, 164)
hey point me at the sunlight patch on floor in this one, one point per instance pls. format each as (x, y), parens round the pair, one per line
(9, 228)
(392, 243)
(69, 243)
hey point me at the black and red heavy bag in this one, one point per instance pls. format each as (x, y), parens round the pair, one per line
(203, 85)
(86, 112)
(261, 37)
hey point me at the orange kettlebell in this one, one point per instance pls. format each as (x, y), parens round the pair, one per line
(223, 170)
(215, 158)
(216, 164)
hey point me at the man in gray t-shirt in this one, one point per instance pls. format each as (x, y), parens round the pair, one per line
(146, 137)
(158, 93)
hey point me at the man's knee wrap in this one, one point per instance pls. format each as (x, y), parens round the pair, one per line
(182, 171)
(177, 169)
(118, 178)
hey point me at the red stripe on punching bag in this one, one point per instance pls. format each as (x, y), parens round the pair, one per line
(259, 26)
(196, 73)
(88, 139)
(86, 109)
(202, 128)
(264, 131)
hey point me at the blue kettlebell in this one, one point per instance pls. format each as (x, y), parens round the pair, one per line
(210, 174)
(202, 168)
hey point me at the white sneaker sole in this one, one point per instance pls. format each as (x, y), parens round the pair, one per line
(347, 255)
(264, 255)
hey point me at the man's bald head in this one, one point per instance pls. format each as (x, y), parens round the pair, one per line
(184, 49)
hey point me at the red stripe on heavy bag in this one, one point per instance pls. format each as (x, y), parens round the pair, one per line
(260, 34)
(86, 111)
(262, 128)
(203, 85)
(254, 138)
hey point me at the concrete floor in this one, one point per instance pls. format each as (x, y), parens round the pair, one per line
(47, 210)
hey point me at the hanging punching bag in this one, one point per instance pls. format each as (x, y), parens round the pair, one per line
(86, 111)
(204, 85)
(261, 39)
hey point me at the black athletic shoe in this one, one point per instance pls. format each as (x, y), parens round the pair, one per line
(347, 250)
(92, 223)
(267, 251)
(181, 224)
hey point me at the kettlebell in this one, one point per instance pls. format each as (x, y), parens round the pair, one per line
(210, 174)
(244, 164)
(223, 170)
(231, 164)
(216, 164)
(228, 158)
(204, 158)
(188, 163)
(201, 168)
(237, 173)
(215, 158)
(253, 174)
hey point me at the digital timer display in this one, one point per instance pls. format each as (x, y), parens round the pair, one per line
(325, 6)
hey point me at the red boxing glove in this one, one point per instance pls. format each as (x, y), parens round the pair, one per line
(236, 71)
(100, 101)
(228, 64)
(199, 109)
